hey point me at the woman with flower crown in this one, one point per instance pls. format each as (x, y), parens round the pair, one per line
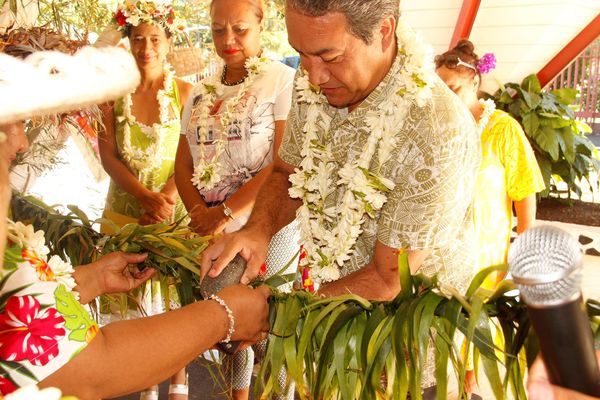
(139, 143)
(508, 173)
(231, 128)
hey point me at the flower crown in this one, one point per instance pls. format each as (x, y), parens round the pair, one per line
(133, 13)
(486, 63)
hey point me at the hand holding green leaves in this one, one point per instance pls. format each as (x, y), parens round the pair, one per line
(113, 273)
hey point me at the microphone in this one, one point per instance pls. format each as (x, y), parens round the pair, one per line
(546, 264)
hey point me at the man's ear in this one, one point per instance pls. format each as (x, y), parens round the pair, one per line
(387, 32)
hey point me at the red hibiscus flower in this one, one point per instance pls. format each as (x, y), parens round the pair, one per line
(29, 333)
(44, 272)
(6, 386)
(120, 18)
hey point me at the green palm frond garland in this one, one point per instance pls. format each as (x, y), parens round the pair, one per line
(173, 250)
(350, 348)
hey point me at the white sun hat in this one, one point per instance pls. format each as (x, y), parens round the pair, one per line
(50, 82)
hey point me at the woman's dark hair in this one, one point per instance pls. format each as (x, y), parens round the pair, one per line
(463, 51)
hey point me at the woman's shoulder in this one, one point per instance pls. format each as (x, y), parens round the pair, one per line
(184, 88)
(502, 121)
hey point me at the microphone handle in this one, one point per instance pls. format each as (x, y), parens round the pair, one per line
(567, 346)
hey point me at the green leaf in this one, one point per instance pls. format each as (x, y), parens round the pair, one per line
(12, 258)
(549, 103)
(582, 127)
(530, 123)
(532, 84)
(77, 319)
(517, 108)
(565, 96)
(18, 367)
(506, 98)
(546, 138)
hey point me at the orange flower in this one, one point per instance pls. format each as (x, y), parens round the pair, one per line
(91, 333)
(44, 272)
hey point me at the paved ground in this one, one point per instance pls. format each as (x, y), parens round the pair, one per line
(595, 139)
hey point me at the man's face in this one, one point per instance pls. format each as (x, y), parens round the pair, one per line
(342, 65)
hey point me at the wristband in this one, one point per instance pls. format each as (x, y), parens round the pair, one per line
(231, 328)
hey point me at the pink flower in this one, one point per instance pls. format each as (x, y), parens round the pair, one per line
(29, 333)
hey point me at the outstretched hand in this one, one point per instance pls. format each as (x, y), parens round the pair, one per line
(118, 275)
(112, 273)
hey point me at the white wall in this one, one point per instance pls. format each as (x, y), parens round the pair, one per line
(523, 34)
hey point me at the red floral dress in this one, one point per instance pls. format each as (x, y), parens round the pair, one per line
(42, 324)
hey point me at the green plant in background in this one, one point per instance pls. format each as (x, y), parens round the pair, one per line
(563, 151)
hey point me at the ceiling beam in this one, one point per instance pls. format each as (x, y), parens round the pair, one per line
(466, 19)
(570, 52)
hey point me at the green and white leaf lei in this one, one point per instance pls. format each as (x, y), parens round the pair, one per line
(329, 233)
(207, 173)
(144, 160)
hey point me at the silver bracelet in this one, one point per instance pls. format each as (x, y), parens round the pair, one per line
(231, 329)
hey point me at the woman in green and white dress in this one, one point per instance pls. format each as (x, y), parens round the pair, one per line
(138, 148)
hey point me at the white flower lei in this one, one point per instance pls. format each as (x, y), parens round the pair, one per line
(330, 233)
(24, 236)
(148, 159)
(489, 107)
(207, 173)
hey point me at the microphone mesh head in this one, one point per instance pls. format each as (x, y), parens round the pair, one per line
(545, 263)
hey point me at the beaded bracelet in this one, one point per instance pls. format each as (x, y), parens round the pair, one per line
(231, 329)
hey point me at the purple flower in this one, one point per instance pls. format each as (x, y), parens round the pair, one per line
(486, 63)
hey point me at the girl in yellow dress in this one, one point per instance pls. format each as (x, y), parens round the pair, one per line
(508, 174)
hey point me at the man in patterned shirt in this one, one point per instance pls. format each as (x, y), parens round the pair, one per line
(350, 50)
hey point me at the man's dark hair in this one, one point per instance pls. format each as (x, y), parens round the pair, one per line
(363, 16)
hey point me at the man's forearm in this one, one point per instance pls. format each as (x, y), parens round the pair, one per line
(274, 208)
(366, 282)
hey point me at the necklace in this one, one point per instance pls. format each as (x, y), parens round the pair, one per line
(489, 107)
(329, 232)
(207, 172)
(224, 81)
(144, 160)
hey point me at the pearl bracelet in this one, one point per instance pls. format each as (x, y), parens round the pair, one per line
(231, 329)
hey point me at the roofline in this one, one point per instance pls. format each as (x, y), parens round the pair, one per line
(570, 52)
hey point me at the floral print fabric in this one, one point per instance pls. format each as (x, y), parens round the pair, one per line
(42, 325)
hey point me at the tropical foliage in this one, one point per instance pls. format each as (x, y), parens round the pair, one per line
(340, 348)
(563, 151)
(173, 250)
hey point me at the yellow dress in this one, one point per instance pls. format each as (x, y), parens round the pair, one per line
(508, 172)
